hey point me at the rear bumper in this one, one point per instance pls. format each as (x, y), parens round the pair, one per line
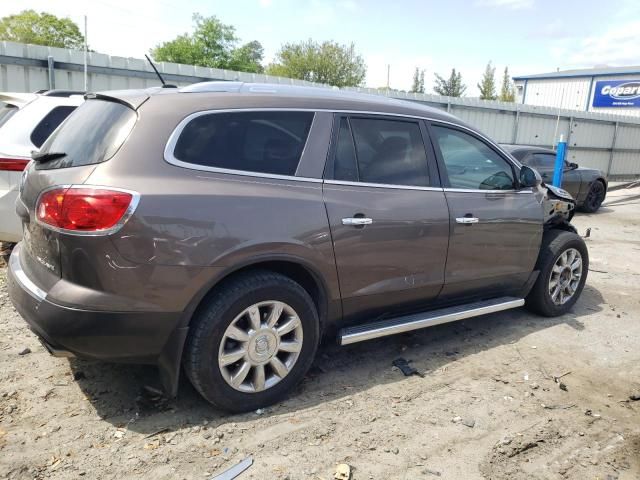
(136, 337)
(10, 226)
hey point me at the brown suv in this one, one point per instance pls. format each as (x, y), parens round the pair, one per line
(225, 227)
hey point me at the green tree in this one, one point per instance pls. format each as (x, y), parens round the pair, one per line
(327, 62)
(507, 92)
(418, 81)
(42, 28)
(451, 87)
(212, 44)
(487, 85)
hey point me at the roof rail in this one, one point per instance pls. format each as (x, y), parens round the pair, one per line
(60, 93)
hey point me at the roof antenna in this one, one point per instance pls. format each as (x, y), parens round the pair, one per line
(164, 84)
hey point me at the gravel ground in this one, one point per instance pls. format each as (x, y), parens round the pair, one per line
(486, 407)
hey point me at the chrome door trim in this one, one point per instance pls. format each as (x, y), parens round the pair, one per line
(382, 185)
(476, 190)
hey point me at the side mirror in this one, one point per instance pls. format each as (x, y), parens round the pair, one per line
(529, 177)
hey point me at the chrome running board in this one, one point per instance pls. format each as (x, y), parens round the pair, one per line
(407, 323)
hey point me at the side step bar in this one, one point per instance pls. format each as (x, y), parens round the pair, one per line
(407, 323)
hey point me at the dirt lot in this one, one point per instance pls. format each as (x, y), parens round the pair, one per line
(487, 406)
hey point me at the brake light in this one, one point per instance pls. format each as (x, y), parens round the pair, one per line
(83, 209)
(13, 164)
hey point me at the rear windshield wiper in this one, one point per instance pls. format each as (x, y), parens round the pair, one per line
(47, 156)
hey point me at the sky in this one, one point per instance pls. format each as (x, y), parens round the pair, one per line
(528, 36)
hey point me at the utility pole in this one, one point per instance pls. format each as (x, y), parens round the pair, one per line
(86, 79)
(388, 74)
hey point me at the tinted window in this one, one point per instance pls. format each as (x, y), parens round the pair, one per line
(471, 163)
(264, 142)
(93, 134)
(542, 160)
(387, 151)
(49, 123)
(6, 111)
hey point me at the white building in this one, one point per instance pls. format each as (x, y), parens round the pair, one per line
(613, 90)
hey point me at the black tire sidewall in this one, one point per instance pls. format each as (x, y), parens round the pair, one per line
(214, 322)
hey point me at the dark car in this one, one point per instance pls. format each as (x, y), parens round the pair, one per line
(223, 228)
(587, 185)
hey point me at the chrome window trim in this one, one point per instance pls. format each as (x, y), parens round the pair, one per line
(135, 200)
(177, 131)
(476, 190)
(22, 278)
(382, 185)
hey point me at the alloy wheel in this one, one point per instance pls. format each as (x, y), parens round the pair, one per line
(260, 346)
(565, 276)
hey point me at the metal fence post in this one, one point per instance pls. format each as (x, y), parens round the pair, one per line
(516, 121)
(52, 76)
(613, 148)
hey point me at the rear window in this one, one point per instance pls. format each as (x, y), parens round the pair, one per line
(49, 123)
(93, 134)
(261, 142)
(6, 111)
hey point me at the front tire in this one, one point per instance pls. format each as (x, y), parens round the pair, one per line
(252, 342)
(563, 263)
(595, 197)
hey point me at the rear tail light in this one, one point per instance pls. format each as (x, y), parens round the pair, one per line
(13, 164)
(85, 210)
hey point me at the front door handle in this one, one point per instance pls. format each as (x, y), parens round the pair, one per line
(357, 221)
(467, 220)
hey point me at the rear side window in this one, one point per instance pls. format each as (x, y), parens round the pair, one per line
(261, 142)
(542, 160)
(49, 123)
(93, 134)
(387, 152)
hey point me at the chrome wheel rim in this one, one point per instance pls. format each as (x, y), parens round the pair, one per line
(260, 346)
(565, 276)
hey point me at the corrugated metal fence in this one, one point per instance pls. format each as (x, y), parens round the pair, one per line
(610, 143)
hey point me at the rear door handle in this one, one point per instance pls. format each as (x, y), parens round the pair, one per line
(467, 220)
(357, 221)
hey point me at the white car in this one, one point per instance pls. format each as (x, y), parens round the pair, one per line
(26, 121)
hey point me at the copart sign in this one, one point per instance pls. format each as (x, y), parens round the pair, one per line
(617, 93)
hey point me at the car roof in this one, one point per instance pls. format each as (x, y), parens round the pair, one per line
(289, 96)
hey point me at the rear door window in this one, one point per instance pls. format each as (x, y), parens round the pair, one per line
(93, 134)
(260, 142)
(470, 163)
(49, 123)
(389, 152)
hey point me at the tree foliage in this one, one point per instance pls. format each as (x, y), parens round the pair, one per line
(327, 62)
(212, 44)
(42, 28)
(487, 85)
(507, 91)
(451, 87)
(418, 81)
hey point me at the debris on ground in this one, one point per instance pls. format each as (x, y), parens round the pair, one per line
(151, 398)
(428, 471)
(405, 368)
(558, 407)
(469, 422)
(634, 397)
(343, 472)
(562, 386)
(234, 471)
(25, 351)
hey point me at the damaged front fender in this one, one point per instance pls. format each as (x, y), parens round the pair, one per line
(558, 207)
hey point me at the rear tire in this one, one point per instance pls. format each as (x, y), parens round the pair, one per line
(252, 342)
(563, 263)
(595, 197)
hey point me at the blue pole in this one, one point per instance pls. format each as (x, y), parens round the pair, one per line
(559, 166)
